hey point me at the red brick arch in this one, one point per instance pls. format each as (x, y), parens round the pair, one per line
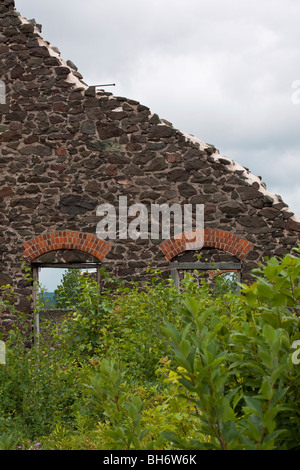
(66, 240)
(220, 239)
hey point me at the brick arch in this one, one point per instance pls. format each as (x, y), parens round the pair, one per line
(220, 239)
(66, 240)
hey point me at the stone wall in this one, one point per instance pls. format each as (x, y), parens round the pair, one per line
(66, 148)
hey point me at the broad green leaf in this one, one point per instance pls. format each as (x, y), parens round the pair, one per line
(133, 412)
(182, 361)
(264, 289)
(253, 404)
(172, 332)
(278, 395)
(268, 418)
(229, 431)
(185, 347)
(192, 305)
(266, 359)
(187, 384)
(204, 315)
(254, 427)
(267, 390)
(270, 333)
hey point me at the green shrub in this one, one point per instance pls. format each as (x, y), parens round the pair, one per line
(67, 294)
(123, 325)
(163, 369)
(7, 442)
(38, 387)
(240, 370)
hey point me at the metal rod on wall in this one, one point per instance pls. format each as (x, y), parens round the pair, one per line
(109, 84)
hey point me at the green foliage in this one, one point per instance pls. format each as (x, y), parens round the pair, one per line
(81, 329)
(68, 292)
(225, 283)
(155, 368)
(242, 376)
(121, 409)
(124, 325)
(131, 332)
(7, 442)
(38, 387)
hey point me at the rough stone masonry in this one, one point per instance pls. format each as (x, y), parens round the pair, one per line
(66, 148)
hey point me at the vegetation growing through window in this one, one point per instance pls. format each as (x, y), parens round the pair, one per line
(67, 293)
(225, 283)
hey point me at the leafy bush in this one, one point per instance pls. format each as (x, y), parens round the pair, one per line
(124, 325)
(38, 387)
(161, 369)
(7, 442)
(240, 372)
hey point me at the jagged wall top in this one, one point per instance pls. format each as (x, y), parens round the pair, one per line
(8, 8)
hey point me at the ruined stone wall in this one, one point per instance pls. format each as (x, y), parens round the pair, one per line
(66, 148)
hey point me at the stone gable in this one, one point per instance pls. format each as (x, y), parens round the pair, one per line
(66, 148)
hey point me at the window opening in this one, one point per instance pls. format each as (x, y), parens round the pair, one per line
(48, 299)
(230, 273)
(225, 282)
